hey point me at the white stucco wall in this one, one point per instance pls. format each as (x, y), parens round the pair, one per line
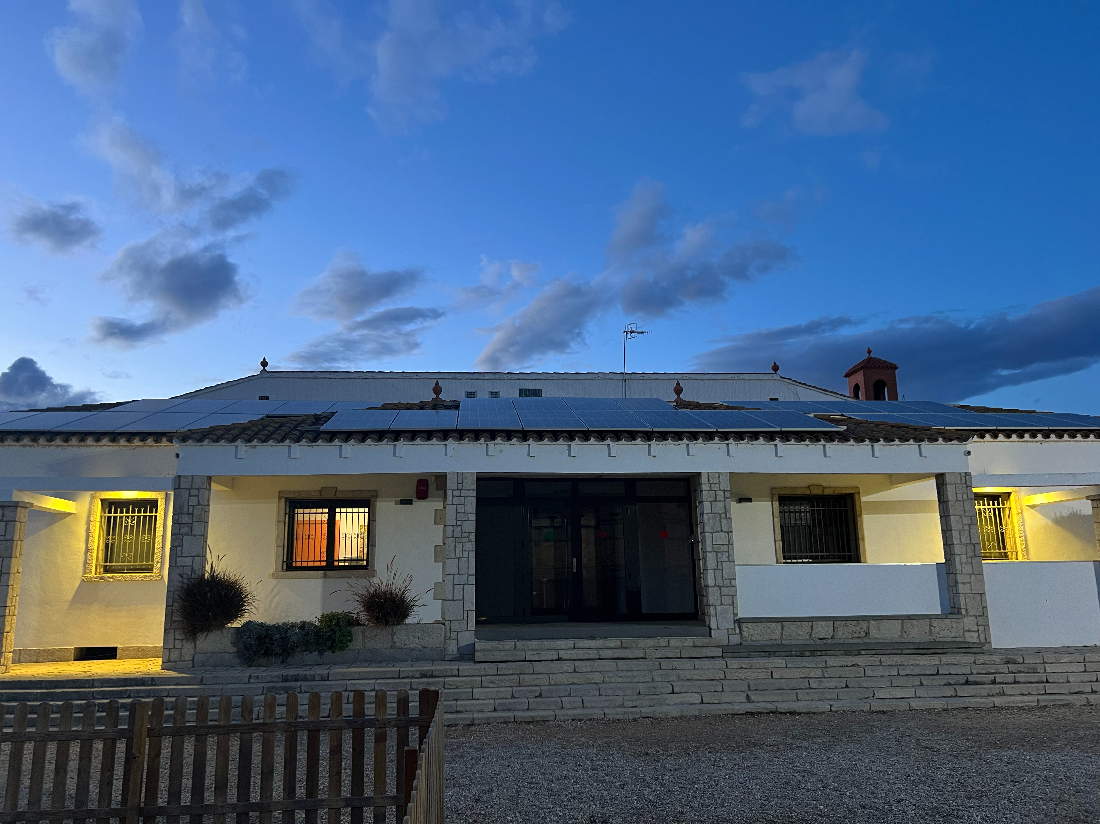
(802, 590)
(1043, 604)
(901, 522)
(244, 523)
(57, 608)
(1060, 531)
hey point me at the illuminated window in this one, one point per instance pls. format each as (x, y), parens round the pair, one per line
(818, 529)
(997, 526)
(324, 534)
(127, 539)
(125, 536)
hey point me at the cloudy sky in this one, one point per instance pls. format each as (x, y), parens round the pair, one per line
(188, 187)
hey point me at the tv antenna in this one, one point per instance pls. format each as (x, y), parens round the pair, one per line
(629, 333)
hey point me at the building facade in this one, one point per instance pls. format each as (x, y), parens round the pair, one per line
(752, 509)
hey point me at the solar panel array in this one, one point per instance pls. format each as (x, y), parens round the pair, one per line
(536, 414)
(929, 414)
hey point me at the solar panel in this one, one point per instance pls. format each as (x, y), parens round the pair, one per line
(204, 405)
(792, 421)
(609, 419)
(488, 413)
(730, 420)
(45, 421)
(1071, 420)
(163, 422)
(259, 408)
(106, 421)
(222, 419)
(301, 408)
(605, 404)
(361, 419)
(674, 419)
(426, 419)
(148, 405)
(655, 404)
(8, 417)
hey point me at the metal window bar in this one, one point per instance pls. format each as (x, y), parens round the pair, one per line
(128, 530)
(996, 527)
(818, 529)
(327, 535)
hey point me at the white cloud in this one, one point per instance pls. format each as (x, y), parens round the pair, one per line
(424, 43)
(553, 323)
(202, 47)
(381, 335)
(821, 95)
(498, 282)
(347, 288)
(25, 385)
(89, 54)
(60, 227)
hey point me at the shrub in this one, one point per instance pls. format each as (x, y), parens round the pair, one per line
(212, 600)
(386, 601)
(330, 633)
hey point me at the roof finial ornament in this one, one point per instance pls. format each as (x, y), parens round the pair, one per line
(678, 390)
(775, 367)
(437, 390)
(868, 351)
(263, 364)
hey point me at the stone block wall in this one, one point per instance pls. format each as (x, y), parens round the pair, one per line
(717, 570)
(890, 629)
(459, 531)
(962, 553)
(186, 557)
(13, 528)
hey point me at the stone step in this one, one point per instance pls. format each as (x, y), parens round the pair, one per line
(818, 648)
(626, 687)
(580, 649)
(829, 629)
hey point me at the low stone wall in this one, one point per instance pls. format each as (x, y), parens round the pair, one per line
(825, 629)
(369, 645)
(52, 655)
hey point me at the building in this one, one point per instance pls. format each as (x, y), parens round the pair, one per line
(754, 509)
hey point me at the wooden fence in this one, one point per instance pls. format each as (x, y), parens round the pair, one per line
(163, 768)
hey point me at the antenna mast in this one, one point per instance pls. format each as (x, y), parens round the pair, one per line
(629, 333)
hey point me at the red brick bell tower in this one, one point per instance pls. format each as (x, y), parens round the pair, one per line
(873, 379)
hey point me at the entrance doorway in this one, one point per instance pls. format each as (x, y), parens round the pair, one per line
(579, 550)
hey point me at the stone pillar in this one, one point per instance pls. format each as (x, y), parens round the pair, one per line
(715, 556)
(1095, 500)
(13, 528)
(459, 609)
(962, 553)
(186, 557)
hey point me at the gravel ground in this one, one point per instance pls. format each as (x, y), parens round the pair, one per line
(1027, 765)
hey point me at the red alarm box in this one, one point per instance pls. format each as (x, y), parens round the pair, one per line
(421, 489)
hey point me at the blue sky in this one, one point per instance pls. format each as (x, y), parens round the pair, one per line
(185, 189)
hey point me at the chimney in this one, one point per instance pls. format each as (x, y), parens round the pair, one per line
(873, 379)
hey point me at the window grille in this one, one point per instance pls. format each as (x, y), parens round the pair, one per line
(818, 529)
(127, 537)
(494, 393)
(530, 393)
(996, 527)
(470, 393)
(328, 534)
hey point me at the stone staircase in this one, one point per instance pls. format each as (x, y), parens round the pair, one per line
(541, 680)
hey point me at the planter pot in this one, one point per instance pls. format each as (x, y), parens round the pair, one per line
(369, 645)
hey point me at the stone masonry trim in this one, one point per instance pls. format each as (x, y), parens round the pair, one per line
(717, 570)
(13, 530)
(459, 531)
(187, 556)
(962, 554)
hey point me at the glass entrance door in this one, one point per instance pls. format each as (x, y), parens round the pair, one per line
(603, 563)
(552, 560)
